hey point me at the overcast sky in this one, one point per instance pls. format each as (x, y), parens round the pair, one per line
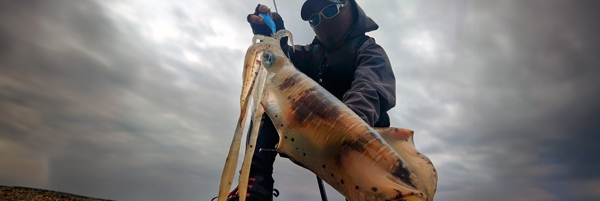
(138, 100)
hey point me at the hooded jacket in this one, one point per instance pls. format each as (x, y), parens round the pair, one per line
(359, 72)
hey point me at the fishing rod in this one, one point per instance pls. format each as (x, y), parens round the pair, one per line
(275, 4)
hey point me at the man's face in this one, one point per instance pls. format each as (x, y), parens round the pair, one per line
(331, 31)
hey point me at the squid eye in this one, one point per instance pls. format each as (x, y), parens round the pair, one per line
(268, 59)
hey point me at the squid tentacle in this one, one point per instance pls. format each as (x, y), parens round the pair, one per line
(252, 66)
(257, 117)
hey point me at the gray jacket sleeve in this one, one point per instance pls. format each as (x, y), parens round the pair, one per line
(373, 90)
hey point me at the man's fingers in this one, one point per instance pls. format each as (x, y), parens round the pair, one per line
(255, 19)
(263, 9)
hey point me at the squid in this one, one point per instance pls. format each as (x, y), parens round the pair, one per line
(318, 132)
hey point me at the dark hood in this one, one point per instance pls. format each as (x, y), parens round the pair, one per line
(362, 24)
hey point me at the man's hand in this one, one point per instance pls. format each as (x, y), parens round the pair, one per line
(258, 24)
(255, 19)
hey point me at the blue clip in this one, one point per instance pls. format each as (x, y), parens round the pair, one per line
(268, 21)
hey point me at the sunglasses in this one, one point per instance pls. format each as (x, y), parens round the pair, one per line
(328, 12)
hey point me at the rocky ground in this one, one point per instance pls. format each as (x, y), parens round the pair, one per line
(27, 194)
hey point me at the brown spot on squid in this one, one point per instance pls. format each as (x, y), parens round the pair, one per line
(402, 173)
(289, 81)
(348, 146)
(310, 106)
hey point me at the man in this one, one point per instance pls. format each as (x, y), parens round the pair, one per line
(343, 60)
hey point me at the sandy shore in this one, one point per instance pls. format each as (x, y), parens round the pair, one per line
(24, 193)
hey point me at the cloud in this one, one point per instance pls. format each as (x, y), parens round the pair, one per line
(499, 93)
(94, 100)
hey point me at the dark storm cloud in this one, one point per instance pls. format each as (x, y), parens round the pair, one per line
(509, 111)
(88, 101)
(550, 74)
